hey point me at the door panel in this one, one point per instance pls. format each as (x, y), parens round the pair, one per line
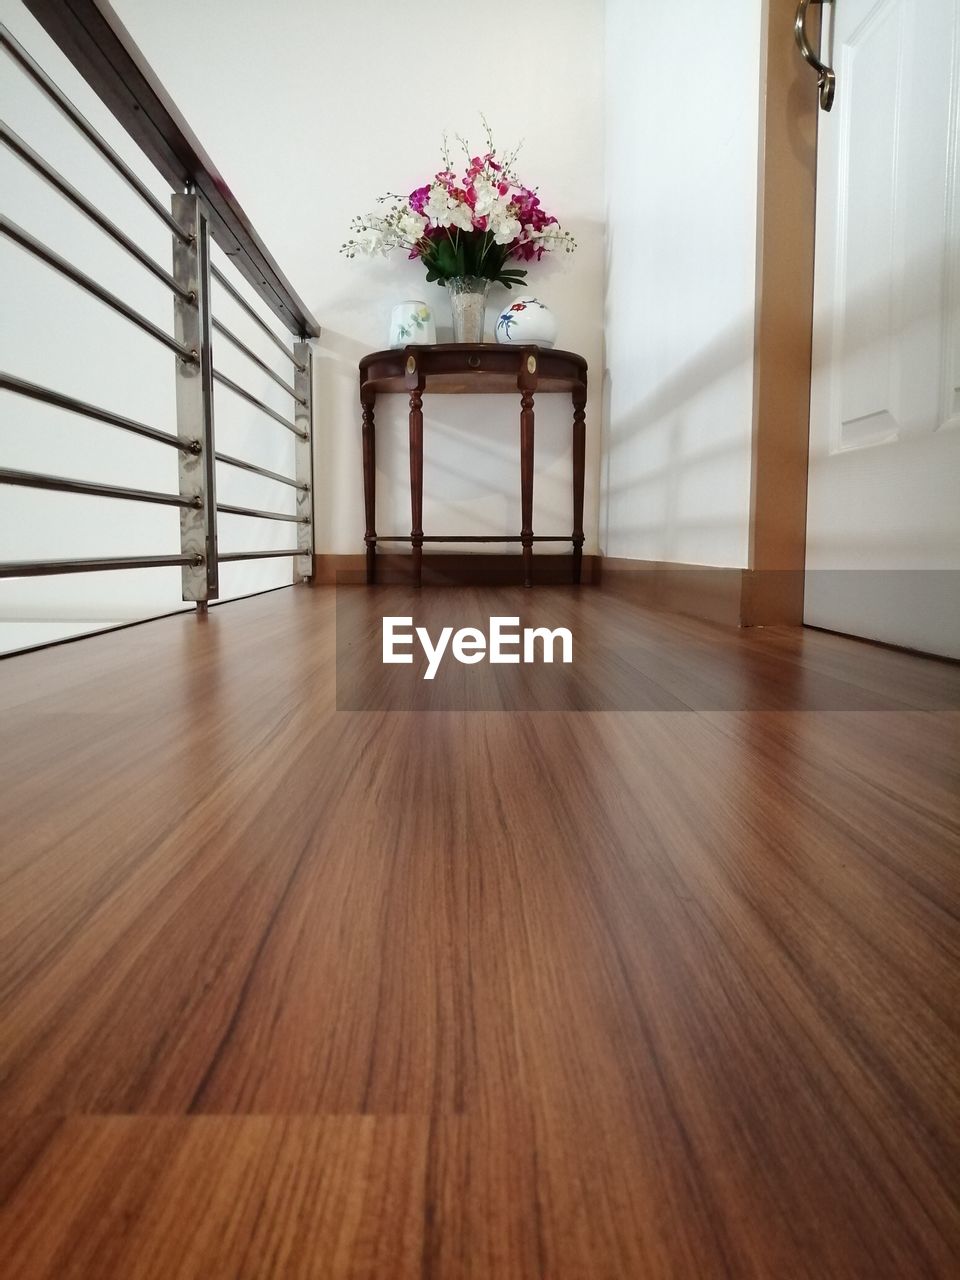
(883, 522)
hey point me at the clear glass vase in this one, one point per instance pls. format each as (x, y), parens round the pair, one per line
(468, 302)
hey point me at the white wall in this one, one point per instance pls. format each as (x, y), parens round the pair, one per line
(682, 119)
(55, 335)
(312, 110)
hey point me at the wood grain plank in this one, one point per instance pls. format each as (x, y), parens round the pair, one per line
(291, 991)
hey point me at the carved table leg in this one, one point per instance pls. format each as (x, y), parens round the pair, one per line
(416, 482)
(579, 457)
(526, 484)
(367, 399)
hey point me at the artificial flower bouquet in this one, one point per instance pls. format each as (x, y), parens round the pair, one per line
(476, 225)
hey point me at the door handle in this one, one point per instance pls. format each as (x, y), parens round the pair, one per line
(826, 78)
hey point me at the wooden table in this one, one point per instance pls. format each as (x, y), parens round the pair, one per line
(465, 369)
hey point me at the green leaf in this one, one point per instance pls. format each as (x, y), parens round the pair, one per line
(512, 277)
(446, 258)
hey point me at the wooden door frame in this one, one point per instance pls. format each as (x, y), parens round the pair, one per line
(786, 215)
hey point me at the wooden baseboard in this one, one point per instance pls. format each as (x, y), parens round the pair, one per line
(733, 597)
(445, 569)
(699, 591)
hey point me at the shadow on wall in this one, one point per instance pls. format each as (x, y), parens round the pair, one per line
(660, 466)
(656, 469)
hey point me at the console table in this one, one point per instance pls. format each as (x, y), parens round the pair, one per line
(465, 369)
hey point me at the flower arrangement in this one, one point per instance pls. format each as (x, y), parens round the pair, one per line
(476, 225)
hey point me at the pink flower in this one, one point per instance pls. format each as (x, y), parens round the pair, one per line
(418, 198)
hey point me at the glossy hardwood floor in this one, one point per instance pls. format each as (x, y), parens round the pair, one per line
(291, 991)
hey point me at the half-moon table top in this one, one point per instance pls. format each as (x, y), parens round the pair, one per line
(458, 368)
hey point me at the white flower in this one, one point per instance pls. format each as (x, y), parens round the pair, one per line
(371, 241)
(461, 216)
(444, 211)
(438, 206)
(552, 237)
(499, 217)
(411, 226)
(507, 230)
(486, 197)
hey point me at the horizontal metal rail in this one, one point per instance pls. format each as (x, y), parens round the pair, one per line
(79, 201)
(252, 399)
(228, 509)
(241, 301)
(63, 484)
(473, 537)
(33, 391)
(47, 568)
(40, 78)
(103, 51)
(231, 461)
(256, 555)
(252, 355)
(47, 255)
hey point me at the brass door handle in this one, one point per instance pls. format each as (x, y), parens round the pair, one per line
(826, 77)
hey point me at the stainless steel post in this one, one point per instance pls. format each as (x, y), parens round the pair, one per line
(303, 413)
(198, 525)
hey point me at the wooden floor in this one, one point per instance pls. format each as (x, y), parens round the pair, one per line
(288, 991)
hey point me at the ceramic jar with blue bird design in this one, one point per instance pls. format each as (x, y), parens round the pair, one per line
(527, 320)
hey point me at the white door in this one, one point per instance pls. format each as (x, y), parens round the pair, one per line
(883, 516)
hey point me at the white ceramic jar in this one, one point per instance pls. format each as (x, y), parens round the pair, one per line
(527, 320)
(411, 323)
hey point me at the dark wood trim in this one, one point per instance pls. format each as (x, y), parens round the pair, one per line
(474, 368)
(579, 476)
(99, 46)
(710, 592)
(451, 569)
(786, 194)
(713, 593)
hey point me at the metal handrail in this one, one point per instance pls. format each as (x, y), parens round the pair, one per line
(221, 328)
(49, 568)
(231, 461)
(64, 484)
(826, 76)
(33, 391)
(12, 46)
(26, 241)
(56, 180)
(228, 509)
(201, 209)
(241, 301)
(257, 555)
(102, 50)
(252, 399)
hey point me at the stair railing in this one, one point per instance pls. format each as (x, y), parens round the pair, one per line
(202, 209)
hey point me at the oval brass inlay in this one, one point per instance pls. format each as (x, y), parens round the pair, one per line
(411, 365)
(531, 364)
